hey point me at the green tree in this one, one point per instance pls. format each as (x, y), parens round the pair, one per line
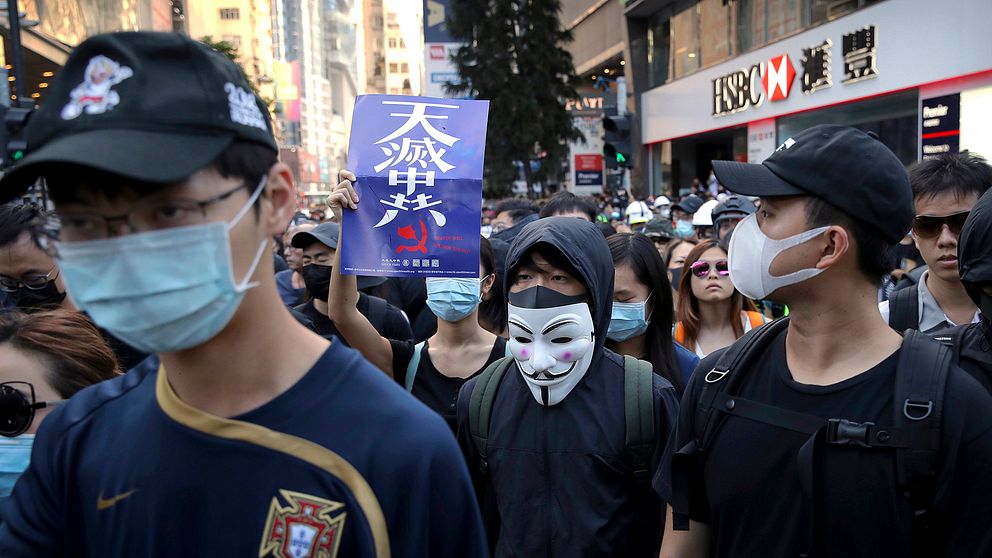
(514, 56)
(229, 50)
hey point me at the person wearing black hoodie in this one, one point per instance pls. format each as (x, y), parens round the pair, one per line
(558, 479)
(973, 342)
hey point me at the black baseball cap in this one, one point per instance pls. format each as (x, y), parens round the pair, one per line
(659, 228)
(324, 233)
(845, 167)
(689, 204)
(328, 234)
(152, 107)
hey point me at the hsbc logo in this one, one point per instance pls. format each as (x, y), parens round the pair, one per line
(742, 89)
(778, 77)
(437, 52)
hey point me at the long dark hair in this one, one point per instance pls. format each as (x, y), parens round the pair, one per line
(639, 252)
(688, 309)
(492, 309)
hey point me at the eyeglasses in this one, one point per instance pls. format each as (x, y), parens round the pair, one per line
(148, 215)
(701, 268)
(17, 409)
(928, 226)
(31, 282)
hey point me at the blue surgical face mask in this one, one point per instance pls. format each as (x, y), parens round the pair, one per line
(628, 320)
(453, 300)
(160, 291)
(683, 228)
(15, 454)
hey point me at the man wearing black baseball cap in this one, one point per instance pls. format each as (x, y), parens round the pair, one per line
(255, 436)
(826, 433)
(319, 246)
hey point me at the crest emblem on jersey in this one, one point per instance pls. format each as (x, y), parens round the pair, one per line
(94, 95)
(305, 527)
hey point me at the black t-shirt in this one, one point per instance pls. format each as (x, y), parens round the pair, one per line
(390, 323)
(750, 492)
(434, 389)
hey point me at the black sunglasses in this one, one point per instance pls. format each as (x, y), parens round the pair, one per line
(17, 409)
(928, 226)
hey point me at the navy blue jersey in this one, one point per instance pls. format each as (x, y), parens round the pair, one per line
(344, 463)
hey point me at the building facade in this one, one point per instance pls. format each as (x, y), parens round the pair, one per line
(244, 24)
(725, 79)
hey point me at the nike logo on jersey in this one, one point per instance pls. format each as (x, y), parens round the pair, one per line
(102, 504)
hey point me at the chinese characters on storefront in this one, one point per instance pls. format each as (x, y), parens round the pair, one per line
(772, 79)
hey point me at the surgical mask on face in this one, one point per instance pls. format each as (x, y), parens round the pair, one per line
(160, 291)
(15, 455)
(628, 320)
(751, 254)
(683, 228)
(552, 340)
(453, 300)
(29, 300)
(676, 276)
(665, 213)
(317, 279)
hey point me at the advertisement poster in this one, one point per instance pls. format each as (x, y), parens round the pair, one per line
(418, 163)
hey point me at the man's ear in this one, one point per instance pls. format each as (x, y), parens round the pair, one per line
(280, 193)
(836, 243)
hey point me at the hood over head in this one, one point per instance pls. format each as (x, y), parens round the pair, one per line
(584, 246)
(974, 253)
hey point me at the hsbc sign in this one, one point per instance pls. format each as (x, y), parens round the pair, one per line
(750, 87)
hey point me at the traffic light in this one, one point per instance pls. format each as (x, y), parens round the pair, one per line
(617, 149)
(13, 142)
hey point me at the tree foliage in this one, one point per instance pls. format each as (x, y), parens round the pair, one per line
(514, 55)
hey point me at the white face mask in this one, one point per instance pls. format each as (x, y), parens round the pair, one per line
(553, 345)
(751, 254)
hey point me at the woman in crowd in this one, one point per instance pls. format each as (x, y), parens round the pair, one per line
(641, 324)
(434, 370)
(45, 358)
(711, 313)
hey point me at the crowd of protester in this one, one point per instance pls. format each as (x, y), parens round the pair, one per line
(794, 358)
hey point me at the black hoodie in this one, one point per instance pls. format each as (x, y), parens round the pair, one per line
(559, 481)
(975, 266)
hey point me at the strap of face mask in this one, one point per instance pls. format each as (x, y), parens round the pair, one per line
(251, 202)
(245, 284)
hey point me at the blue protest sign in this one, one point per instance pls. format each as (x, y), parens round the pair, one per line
(418, 163)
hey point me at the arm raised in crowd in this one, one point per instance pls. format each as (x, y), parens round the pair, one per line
(342, 302)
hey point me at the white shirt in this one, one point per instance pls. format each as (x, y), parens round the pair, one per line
(931, 315)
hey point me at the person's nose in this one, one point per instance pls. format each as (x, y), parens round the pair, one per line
(541, 361)
(946, 239)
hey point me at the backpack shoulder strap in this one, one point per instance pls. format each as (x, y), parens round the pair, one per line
(921, 378)
(904, 309)
(480, 406)
(727, 374)
(413, 365)
(377, 311)
(638, 408)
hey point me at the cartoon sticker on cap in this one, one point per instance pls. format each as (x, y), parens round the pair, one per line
(94, 95)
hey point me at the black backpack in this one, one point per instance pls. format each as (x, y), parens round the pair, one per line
(638, 401)
(914, 433)
(904, 309)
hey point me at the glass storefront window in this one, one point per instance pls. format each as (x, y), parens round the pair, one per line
(659, 35)
(685, 42)
(715, 17)
(783, 18)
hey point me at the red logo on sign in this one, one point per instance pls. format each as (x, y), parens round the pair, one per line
(589, 162)
(778, 77)
(437, 52)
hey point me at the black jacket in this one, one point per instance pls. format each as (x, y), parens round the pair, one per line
(559, 481)
(975, 265)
